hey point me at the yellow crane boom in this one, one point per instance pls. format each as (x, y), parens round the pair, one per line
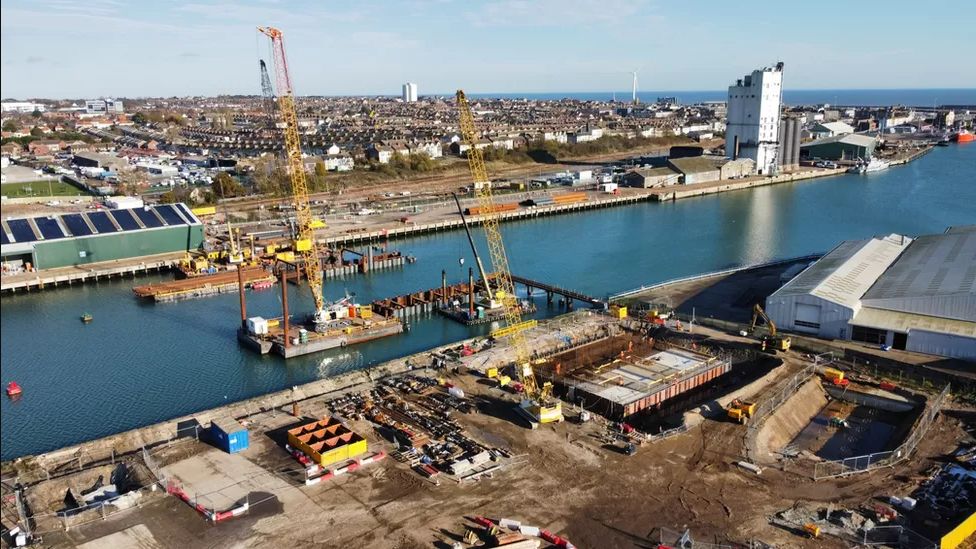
(539, 403)
(757, 313)
(304, 243)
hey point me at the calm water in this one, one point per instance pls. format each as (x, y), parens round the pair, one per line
(139, 363)
(913, 97)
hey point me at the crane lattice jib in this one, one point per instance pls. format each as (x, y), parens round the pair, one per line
(504, 287)
(304, 237)
(268, 93)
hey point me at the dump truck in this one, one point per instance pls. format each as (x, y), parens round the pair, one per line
(741, 410)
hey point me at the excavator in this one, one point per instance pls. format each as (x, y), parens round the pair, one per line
(771, 342)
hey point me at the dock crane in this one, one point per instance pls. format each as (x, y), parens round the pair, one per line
(538, 404)
(304, 242)
(771, 342)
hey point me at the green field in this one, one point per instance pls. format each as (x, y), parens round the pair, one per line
(49, 187)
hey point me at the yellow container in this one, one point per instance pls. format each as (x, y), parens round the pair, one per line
(491, 373)
(504, 380)
(270, 249)
(273, 322)
(285, 256)
(366, 312)
(618, 312)
(833, 374)
(205, 210)
(317, 224)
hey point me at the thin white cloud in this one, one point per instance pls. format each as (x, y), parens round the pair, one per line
(557, 13)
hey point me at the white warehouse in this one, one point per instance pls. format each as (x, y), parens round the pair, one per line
(913, 294)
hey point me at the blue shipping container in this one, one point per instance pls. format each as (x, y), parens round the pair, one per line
(229, 435)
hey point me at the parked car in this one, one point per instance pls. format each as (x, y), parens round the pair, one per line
(826, 164)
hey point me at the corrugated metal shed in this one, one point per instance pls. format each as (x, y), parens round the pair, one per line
(694, 164)
(936, 275)
(904, 322)
(845, 274)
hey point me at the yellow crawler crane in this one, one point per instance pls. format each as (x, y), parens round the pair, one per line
(304, 244)
(538, 403)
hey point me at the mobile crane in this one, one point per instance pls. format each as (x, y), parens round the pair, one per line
(304, 242)
(538, 404)
(771, 342)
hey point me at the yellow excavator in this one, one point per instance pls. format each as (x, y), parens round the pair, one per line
(771, 342)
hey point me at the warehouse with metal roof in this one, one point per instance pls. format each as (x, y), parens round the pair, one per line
(840, 147)
(914, 294)
(102, 235)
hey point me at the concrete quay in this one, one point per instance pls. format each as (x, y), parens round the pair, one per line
(32, 468)
(80, 274)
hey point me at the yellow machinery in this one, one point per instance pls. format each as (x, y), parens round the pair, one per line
(741, 410)
(304, 243)
(771, 342)
(538, 403)
(834, 375)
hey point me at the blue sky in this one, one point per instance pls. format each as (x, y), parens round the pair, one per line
(87, 48)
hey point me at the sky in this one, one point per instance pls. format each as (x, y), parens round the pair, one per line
(117, 48)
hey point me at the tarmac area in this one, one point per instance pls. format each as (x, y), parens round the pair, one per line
(563, 477)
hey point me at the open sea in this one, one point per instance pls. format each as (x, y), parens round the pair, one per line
(853, 98)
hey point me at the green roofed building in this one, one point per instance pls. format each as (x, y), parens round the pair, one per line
(840, 147)
(103, 235)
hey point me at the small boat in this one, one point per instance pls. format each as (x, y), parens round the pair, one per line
(262, 285)
(964, 136)
(86, 318)
(13, 389)
(874, 165)
(943, 143)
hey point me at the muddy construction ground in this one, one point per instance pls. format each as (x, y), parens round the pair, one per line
(563, 477)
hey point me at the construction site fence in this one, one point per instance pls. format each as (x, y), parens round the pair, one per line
(897, 536)
(40, 524)
(674, 431)
(703, 276)
(684, 540)
(903, 372)
(783, 392)
(870, 462)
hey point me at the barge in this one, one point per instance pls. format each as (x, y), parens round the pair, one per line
(347, 325)
(205, 285)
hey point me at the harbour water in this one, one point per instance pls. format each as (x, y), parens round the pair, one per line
(139, 363)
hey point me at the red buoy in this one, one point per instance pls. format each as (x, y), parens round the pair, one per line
(13, 389)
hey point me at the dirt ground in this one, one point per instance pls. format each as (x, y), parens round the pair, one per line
(561, 477)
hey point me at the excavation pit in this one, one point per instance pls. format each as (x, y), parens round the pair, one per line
(827, 423)
(843, 429)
